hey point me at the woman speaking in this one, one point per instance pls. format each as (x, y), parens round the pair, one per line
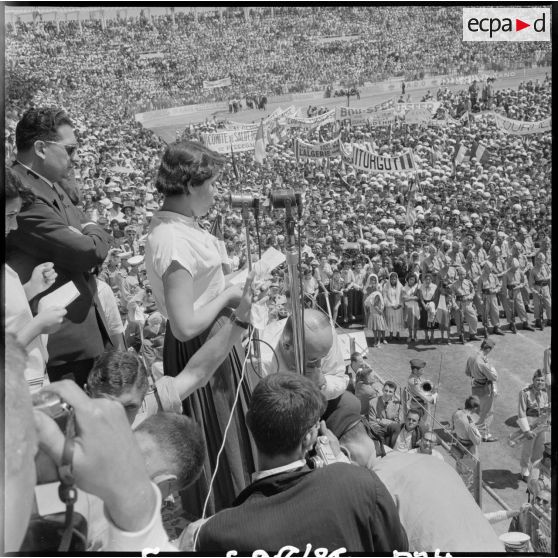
(184, 269)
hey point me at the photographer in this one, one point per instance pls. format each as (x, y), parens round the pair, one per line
(338, 506)
(106, 461)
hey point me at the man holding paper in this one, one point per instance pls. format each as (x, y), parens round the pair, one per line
(53, 229)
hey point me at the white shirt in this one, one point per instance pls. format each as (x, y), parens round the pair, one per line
(333, 364)
(403, 442)
(110, 308)
(17, 316)
(175, 237)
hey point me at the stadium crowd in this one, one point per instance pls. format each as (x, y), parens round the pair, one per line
(466, 243)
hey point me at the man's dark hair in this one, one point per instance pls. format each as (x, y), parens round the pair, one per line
(390, 384)
(472, 402)
(180, 440)
(282, 409)
(417, 412)
(39, 124)
(354, 356)
(115, 372)
(14, 189)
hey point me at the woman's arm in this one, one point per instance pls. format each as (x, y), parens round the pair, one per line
(178, 287)
(210, 355)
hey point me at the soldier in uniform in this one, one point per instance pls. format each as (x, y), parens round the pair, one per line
(465, 447)
(484, 386)
(488, 286)
(464, 292)
(525, 265)
(513, 281)
(499, 269)
(533, 402)
(421, 394)
(539, 281)
(474, 270)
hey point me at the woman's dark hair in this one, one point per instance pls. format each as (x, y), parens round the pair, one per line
(115, 372)
(14, 189)
(186, 163)
(39, 124)
(282, 409)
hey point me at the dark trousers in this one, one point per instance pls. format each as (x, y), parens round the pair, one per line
(76, 371)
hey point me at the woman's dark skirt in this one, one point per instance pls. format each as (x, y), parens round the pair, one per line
(210, 406)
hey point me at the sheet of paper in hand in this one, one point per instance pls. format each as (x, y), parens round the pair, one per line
(271, 259)
(61, 297)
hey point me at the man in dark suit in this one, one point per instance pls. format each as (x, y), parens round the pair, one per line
(407, 435)
(53, 229)
(337, 506)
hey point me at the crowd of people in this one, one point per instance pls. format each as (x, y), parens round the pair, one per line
(95, 199)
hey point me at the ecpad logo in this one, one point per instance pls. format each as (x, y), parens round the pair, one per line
(506, 24)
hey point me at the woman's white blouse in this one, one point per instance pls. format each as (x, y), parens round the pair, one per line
(175, 237)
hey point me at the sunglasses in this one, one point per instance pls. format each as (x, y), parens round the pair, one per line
(70, 148)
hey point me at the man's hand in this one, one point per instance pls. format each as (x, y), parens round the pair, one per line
(49, 320)
(333, 441)
(107, 461)
(245, 304)
(42, 278)
(529, 434)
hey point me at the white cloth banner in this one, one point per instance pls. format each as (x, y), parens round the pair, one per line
(359, 116)
(316, 150)
(321, 119)
(364, 160)
(418, 116)
(430, 106)
(381, 118)
(239, 140)
(520, 127)
(225, 82)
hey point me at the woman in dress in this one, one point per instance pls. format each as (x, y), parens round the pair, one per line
(427, 294)
(336, 290)
(411, 309)
(374, 305)
(183, 264)
(394, 307)
(445, 304)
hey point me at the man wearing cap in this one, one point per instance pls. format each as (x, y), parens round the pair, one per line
(512, 282)
(533, 404)
(464, 292)
(417, 396)
(483, 384)
(539, 282)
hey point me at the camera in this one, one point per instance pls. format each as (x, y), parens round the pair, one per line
(51, 404)
(324, 455)
(244, 200)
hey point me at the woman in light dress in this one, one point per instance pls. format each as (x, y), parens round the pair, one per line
(411, 309)
(374, 306)
(394, 306)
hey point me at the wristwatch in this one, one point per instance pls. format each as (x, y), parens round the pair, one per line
(237, 321)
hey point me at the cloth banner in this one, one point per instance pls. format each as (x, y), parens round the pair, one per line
(418, 116)
(358, 116)
(364, 160)
(225, 82)
(315, 150)
(321, 119)
(520, 127)
(430, 106)
(238, 140)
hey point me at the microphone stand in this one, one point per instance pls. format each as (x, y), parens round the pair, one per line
(294, 285)
(252, 330)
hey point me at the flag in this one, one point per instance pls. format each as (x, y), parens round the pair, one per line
(461, 154)
(235, 170)
(411, 215)
(480, 152)
(259, 148)
(343, 182)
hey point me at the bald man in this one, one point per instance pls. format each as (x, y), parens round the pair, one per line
(324, 357)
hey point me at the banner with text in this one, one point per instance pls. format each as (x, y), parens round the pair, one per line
(358, 116)
(316, 150)
(364, 160)
(321, 119)
(430, 106)
(520, 127)
(238, 140)
(225, 82)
